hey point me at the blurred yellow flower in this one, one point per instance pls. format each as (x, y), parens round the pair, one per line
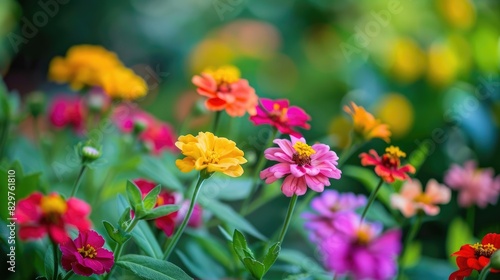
(407, 60)
(397, 111)
(211, 153)
(339, 131)
(458, 13)
(82, 66)
(122, 84)
(366, 125)
(443, 64)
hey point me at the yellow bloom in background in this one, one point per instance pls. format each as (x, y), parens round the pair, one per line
(211, 153)
(338, 132)
(366, 125)
(406, 61)
(443, 64)
(458, 13)
(397, 111)
(122, 83)
(83, 66)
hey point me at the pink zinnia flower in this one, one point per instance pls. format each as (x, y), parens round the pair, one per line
(302, 166)
(411, 198)
(281, 115)
(67, 111)
(361, 250)
(327, 207)
(85, 255)
(167, 223)
(158, 135)
(388, 167)
(38, 215)
(475, 186)
(226, 91)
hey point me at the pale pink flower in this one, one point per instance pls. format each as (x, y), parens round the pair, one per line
(411, 198)
(475, 186)
(301, 165)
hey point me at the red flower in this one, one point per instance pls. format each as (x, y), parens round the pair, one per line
(67, 111)
(85, 254)
(475, 257)
(39, 215)
(388, 166)
(280, 114)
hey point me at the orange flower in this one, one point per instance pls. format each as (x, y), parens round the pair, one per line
(226, 91)
(366, 125)
(388, 166)
(123, 84)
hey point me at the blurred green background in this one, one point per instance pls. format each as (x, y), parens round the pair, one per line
(430, 69)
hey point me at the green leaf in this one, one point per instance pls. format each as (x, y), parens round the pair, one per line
(201, 264)
(228, 215)
(49, 264)
(217, 249)
(154, 169)
(255, 267)
(368, 178)
(459, 234)
(240, 246)
(145, 239)
(118, 235)
(225, 234)
(148, 268)
(303, 262)
(134, 196)
(125, 217)
(412, 255)
(272, 255)
(160, 211)
(151, 197)
(227, 188)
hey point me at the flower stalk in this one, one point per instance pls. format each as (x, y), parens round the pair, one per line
(371, 199)
(288, 218)
(78, 180)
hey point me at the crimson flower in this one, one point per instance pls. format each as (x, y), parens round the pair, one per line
(476, 256)
(388, 167)
(39, 215)
(67, 111)
(85, 254)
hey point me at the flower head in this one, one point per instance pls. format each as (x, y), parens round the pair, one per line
(475, 256)
(123, 84)
(302, 166)
(361, 250)
(39, 215)
(83, 66)
(226, 91)
(327, 207)
(67, 111)
(366, 125)
(211, 153)
(281, 115)
(411, 198)
(85, 255)
(388, 167)
(475, 186)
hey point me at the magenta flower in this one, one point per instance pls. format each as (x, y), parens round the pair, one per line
(302, 166)
(475, 186)
(361, 250)
(85, 255)
(281, 115)
(327, 207)
(67, 111)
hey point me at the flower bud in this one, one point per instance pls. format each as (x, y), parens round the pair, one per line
(495, 260)
(36, 102)
(90, 153)
(96, 102)
(139, 126)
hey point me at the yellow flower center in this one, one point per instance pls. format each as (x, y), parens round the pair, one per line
(485, 250)
(53, 204)
(212, 157)
(279, 113)
(87, 251)
(395, 152)
(423, 198)
(225, 74)
(160, 200)
(303, 153)
(364, 236)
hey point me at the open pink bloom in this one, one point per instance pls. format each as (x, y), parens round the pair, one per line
(167, 223)
(67, 111)
(85, 255)
(388, 166)
(38, 215)
(157, 134)
(327, 207)
(302, 166)
(226, 91)
(475, 186)
(281, 115)
(361, 250)
(411, 198)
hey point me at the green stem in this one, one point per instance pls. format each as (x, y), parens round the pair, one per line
(216, 121)
(409, 239)
(78, 180)
(373, 195)
(69, 275)
(288, 218)
(484, 273)
(256, 182)
(56, 260)
(119, 246)
(471, 214)
(180, 230)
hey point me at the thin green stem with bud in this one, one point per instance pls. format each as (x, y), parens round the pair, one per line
(78, 180)
(371, 199)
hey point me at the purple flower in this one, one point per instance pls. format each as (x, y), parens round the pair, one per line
(327, 207)
(361, 250)
(475, 186)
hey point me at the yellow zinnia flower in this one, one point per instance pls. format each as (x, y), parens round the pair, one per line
(366, 125)
(122, 83)
(211, 153)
